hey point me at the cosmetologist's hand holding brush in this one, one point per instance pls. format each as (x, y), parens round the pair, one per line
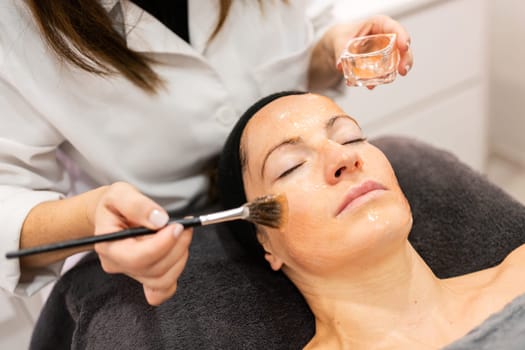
(270, 210)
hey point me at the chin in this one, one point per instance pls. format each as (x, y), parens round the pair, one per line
(386, 218)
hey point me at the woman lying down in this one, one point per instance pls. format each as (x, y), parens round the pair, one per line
(345, 244)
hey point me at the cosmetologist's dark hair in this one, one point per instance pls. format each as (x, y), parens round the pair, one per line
(230, 183)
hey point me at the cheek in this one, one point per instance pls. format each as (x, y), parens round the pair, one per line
(306, 205)
(376, 165)
(305, 224)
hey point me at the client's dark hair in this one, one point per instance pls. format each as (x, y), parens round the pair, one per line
(230, 183)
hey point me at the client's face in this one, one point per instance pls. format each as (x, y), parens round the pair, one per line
(344, 201)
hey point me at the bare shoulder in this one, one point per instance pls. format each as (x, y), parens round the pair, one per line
(510, 268)
(515, 258)
(510, 276)
(489, 290)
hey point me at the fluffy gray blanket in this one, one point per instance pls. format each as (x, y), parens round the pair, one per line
(462, 223)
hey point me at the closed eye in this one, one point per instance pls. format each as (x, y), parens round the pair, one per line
(289, 171)
(361, 139)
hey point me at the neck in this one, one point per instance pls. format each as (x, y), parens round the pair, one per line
(386, 298)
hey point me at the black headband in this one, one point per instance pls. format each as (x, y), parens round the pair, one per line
(230, 183)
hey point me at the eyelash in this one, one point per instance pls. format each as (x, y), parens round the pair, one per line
(288, 171)
(361, 139)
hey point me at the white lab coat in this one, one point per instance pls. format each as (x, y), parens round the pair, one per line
(112, 131)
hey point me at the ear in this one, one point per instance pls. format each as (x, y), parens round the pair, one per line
(275, 262)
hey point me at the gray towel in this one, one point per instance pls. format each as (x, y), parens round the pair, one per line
(462, 223)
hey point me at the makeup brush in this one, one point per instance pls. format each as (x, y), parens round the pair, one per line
(270, 210)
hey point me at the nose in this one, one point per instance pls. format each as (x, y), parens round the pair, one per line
(340, 161)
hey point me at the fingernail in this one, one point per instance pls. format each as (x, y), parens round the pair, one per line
(177, 230)
(408, 44)
(158, 218)
(407, 68)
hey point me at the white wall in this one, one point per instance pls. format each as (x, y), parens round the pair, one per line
(507, 78)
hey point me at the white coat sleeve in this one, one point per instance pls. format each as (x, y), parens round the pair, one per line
(29, 174)
(321, 15)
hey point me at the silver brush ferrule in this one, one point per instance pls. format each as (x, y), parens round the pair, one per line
(226, 215)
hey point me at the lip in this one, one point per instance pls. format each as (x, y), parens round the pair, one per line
(356, 192)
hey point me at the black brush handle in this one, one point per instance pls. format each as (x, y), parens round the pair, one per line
(127, 233)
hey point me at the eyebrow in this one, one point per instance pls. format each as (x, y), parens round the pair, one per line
(295, 140)
(290, 141)
(330, 123)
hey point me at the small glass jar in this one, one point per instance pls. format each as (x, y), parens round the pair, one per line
(370, 60)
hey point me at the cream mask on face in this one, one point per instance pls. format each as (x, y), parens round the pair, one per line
(316, 155)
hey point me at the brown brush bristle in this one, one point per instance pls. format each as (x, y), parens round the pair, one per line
(269, 210)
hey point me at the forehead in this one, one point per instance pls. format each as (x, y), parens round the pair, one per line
(289, 114)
